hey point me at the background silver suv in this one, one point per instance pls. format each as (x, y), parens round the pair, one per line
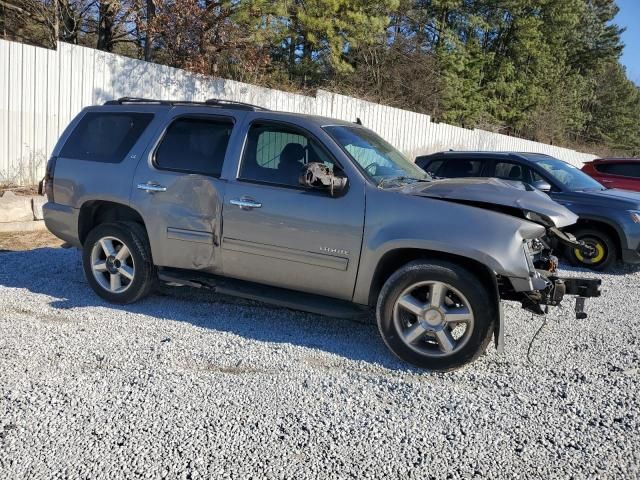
(302, 211)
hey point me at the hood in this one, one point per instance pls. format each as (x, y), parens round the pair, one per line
(613, 198)
(505, 196)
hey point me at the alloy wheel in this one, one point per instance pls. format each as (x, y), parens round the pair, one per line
(433, 318)
(112, 264)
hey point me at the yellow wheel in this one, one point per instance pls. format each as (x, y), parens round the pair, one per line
(597, 258)
(605, 250)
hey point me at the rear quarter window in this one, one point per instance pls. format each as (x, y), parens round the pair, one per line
(512, 171)
(460, 168)
(431, 167)
(622, 169)
(105, 137)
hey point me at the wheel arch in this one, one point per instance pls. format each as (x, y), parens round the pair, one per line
(395, 259)
(95, 212)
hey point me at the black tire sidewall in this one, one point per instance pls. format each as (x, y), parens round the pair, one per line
(601, 237)
(140, 285)
(467, 283)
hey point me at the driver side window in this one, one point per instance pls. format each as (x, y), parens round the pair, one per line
(276, 154)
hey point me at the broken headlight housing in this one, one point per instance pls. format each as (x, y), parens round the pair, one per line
(538, 218)
(540, 256)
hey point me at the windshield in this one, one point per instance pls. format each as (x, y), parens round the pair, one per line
(382, 163)
(569, 176)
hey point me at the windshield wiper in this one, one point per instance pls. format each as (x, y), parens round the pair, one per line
(400, 179)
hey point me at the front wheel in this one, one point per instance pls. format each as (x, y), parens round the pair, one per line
(436, 315)
(117, 262)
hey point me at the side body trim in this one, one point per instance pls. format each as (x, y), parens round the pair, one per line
(300, 256)
(189, 235)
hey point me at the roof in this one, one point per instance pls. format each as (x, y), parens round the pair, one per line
(212, 102)
(530, 156)
(227, 104)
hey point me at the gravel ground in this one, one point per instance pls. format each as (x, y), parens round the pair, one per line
(189, 384)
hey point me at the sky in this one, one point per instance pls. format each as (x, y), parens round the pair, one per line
(629, 17)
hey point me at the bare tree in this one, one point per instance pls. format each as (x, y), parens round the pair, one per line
(396, 75)
(31, 21)
(148, 38)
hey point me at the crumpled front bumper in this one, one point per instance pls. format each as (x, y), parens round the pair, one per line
(544, 265)
(544, 288)
(556, 289)
(581, 288)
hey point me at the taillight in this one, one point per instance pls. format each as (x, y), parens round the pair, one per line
(48, 178)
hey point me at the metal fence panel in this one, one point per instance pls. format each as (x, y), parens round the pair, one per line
(41, 90)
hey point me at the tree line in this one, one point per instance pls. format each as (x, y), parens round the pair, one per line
(547, 70)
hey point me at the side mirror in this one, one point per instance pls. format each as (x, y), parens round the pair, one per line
(318, 176)
(542, 186)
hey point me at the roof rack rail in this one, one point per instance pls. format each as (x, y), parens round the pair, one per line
(232, 103)
(211, 102)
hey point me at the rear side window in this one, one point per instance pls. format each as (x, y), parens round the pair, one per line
(433, 167)
(194, 145)
(622, 169)
(512, 171)
(458, 168)
(105, 136)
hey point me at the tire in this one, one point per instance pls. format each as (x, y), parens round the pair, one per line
(607, 250)
(135, 270)
(413, 286)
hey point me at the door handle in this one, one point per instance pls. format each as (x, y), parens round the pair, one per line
(245, 203)
(606, 181)
(152, 187)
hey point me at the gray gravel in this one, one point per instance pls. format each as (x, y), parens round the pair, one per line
(188, 384)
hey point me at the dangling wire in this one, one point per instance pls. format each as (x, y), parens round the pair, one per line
(535, 335)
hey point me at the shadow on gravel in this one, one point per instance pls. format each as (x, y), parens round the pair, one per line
(57, 273)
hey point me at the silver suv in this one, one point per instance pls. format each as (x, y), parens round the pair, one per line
(305, 212)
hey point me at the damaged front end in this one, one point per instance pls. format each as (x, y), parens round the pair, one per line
(551, 288)
(544, 287)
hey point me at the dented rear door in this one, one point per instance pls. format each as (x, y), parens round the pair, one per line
(178, 191)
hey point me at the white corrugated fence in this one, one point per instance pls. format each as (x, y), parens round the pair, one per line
(41, 90)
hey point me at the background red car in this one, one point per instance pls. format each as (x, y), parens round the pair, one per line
(621, 173)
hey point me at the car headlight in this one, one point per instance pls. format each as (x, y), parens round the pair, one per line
(635, 216)
(535, 246)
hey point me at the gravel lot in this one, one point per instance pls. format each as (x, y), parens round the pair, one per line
(189, 384)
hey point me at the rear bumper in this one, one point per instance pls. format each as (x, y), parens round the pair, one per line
(62, 221)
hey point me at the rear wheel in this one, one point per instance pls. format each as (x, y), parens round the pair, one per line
(605, 252)
(435, 315)
(117, 262)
